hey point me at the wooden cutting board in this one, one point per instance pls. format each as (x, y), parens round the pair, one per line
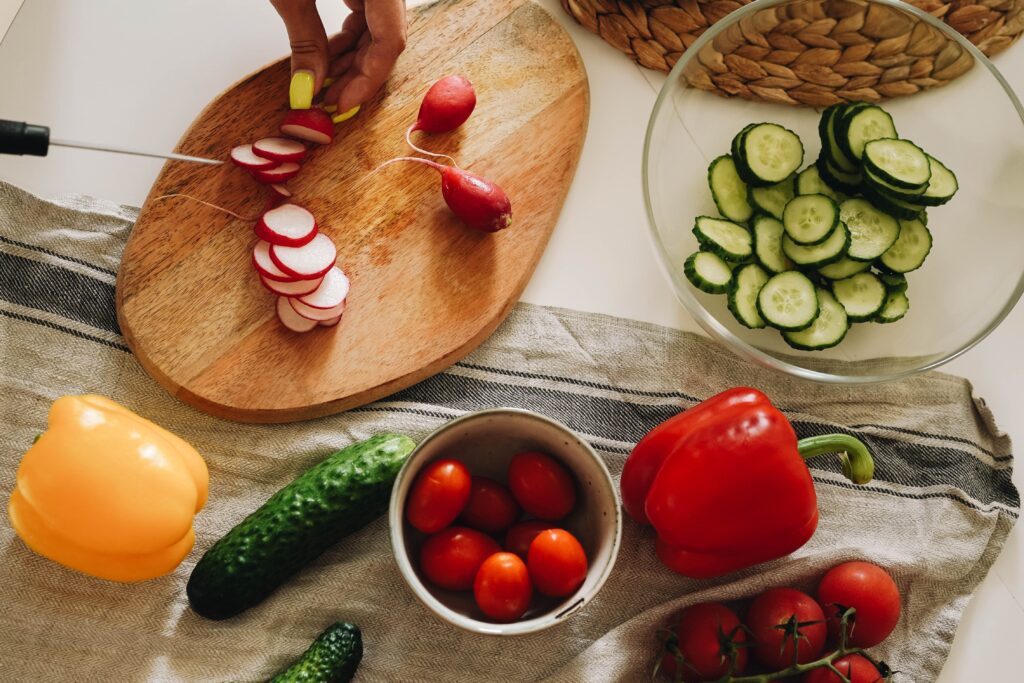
(425, 290)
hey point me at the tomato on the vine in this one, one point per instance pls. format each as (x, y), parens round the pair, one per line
(541, 485)
(706, 638)
(557, 563)
(502, 587)
(450, 558)
(783, 618)
(491, 507)
(871, 592)
(856, 669)
(438, 495)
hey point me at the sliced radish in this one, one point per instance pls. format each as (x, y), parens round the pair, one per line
(317, 314)
(281, 190)
(277, 174)
(292, 289)
(292, 320)
(288, 225)
(311, 260)
(265, 266)
(331, 292)
(330, 323)
(243, 156)
(279, 149)
(312, 125)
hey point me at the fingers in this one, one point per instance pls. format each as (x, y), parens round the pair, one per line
(309, 49)
(352, 29)
(376, 53)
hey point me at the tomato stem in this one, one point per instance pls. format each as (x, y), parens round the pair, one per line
(858, 465)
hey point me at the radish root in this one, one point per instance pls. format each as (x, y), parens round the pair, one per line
(408, 140)
(205, 203)
(433, 164)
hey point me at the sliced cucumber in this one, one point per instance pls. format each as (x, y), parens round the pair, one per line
(843, 268)
(810, 218)
(708, 272)
(772, 200)
(827, 330)
(725, 238)
(893, 205)
(809, 181)
(871, 230)
(829, 251)
(788, 301)
(911, 249)
(743, 291)
(898, 162)
(862, 295)
(827, 134)
(894, 282)
(896, 306)
(862, 125)
(728, 190)
(874, 182)
(772, 154)
(840, 181)
(941, 186)
(768, 245)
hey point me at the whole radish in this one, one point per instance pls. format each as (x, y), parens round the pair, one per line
(478, 202)
(445, 107)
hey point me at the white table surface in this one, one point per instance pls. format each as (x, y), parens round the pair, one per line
(136, 73)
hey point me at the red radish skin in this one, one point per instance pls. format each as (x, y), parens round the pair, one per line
(479, 203)
(296, 288)
(244, 156)
(287, 225)
(265, 265)
(330, 323)
(277, 174)
(317, 314)
(446, 106)
(292, 320)
(279, 149)
(311, 260)
(312, 125)
(332, 291)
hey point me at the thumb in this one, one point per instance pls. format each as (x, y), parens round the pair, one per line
(309, 49)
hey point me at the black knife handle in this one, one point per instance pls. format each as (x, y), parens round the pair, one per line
(18, 137)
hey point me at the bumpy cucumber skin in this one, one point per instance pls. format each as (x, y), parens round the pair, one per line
(332, 658)
(332, 499)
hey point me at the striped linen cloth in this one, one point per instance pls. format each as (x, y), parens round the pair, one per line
(937, 514)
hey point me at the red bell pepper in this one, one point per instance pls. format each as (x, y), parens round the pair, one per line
(725, 484)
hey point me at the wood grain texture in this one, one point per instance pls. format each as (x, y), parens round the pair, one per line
(425, 290)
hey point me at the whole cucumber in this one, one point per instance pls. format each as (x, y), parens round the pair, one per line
(332, 658)
(332, 499)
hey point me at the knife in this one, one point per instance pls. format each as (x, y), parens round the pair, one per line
(18, 137)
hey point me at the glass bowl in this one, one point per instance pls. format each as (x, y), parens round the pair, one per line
(975, 272)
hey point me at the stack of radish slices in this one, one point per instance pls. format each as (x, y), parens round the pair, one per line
(276, 160)
(296, 261)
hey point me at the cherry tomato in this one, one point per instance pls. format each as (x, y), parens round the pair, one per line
(774, 646)
(520, 536)
(451, 558)
(438, 495)
(491, 507)
(855, 668)
(700, 647)
(502, 587)
(868, 589)
(557, 563)
(541, 485)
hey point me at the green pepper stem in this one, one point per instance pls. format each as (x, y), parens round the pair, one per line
(858, 465)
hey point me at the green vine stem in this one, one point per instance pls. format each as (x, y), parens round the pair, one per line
(858, 465)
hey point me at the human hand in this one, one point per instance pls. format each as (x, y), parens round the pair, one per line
(358, 59)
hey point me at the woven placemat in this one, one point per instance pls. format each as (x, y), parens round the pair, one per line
(815, 53)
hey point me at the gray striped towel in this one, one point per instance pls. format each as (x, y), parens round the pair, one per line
(936, 515)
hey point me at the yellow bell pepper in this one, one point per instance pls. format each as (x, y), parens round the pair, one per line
(107, 492)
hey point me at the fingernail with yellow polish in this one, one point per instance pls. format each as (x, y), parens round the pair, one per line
(345, 115)
(328, 81)
(300, 93)
(330, 108)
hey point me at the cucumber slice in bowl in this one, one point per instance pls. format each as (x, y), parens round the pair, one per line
(894, 282)
(893, 205)
(810, 219)
(896, 306)
(898, 162)
(860, 126)
(743, 291)
(772, 200)
(771, 153)
(815, 256)
(843, 268)
(729, 240)
(909, 251)
(768, 245)
(827, 330)
(840, 181)
(728, 190)
(708, 272)
(941, 186)
(862, 295)
(871, 231)
(809, 181)
(827, 134)
(788, 301)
